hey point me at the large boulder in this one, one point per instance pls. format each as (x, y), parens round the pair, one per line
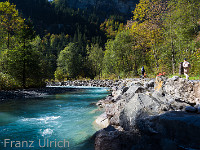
(102, 120)
(110, 139)
(132, 90)
(180, 127)
(116, 111)
(135, 107)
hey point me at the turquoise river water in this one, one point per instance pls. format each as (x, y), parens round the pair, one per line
(62, 121)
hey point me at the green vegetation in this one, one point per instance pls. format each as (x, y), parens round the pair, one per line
(74, 44)
(20, 59)
(159, 37)
(7, 82)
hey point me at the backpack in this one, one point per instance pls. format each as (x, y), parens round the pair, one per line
(186, 65)
(142, 69)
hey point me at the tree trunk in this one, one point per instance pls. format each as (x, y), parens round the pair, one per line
(136, 67)
(156, 58)
(8, 42)
(173, 56)
(172, 50)
(24, 67)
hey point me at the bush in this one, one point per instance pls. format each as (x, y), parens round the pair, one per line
(59, 75)
(7, 82)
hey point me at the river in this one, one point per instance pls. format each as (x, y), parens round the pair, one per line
(61, 121)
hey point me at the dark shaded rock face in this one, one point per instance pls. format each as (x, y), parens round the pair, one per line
(115, 140)
(181, 129)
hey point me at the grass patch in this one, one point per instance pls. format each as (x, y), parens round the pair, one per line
(192, 77)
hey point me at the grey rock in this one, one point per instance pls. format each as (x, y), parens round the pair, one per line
(125, 89)
(175, 78)
(196, 106)
(132, 90)
(146, 86)
(139, 108)
(151, 83)
(116, 111)
(115, 140)
(181, 126)
(134, 109)
(190, 109)
(159, 96)
(198, 110)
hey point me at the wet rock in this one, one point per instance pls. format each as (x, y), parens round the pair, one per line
(93, 104)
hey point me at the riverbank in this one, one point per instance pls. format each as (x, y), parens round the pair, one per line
(89, 83)
(150, 114)
(32, 93)
(57, 88)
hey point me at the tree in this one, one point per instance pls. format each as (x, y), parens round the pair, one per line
(10, 22)
(180, 30)
(95, 58)
(70, 61)
(21, 59)
(119, 55)
(26, 35)
(147, 28)
(111, 27)
(24, 68)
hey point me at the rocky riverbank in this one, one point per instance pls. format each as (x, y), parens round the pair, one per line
(89, 83)
(32, 93)
(51, 89)
(151, 114)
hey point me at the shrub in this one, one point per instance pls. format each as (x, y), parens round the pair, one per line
(7, 82)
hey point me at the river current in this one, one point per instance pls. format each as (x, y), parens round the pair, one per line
(62, 121)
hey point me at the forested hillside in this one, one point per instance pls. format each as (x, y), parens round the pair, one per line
(60, 39)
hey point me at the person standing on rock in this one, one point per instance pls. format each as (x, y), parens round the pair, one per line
(142, 71)
(186, 66)
(181, 69)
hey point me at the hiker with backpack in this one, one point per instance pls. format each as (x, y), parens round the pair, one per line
(186, 66)
(142, 71)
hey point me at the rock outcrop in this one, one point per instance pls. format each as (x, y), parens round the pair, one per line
(172, 130)
(160, 114)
